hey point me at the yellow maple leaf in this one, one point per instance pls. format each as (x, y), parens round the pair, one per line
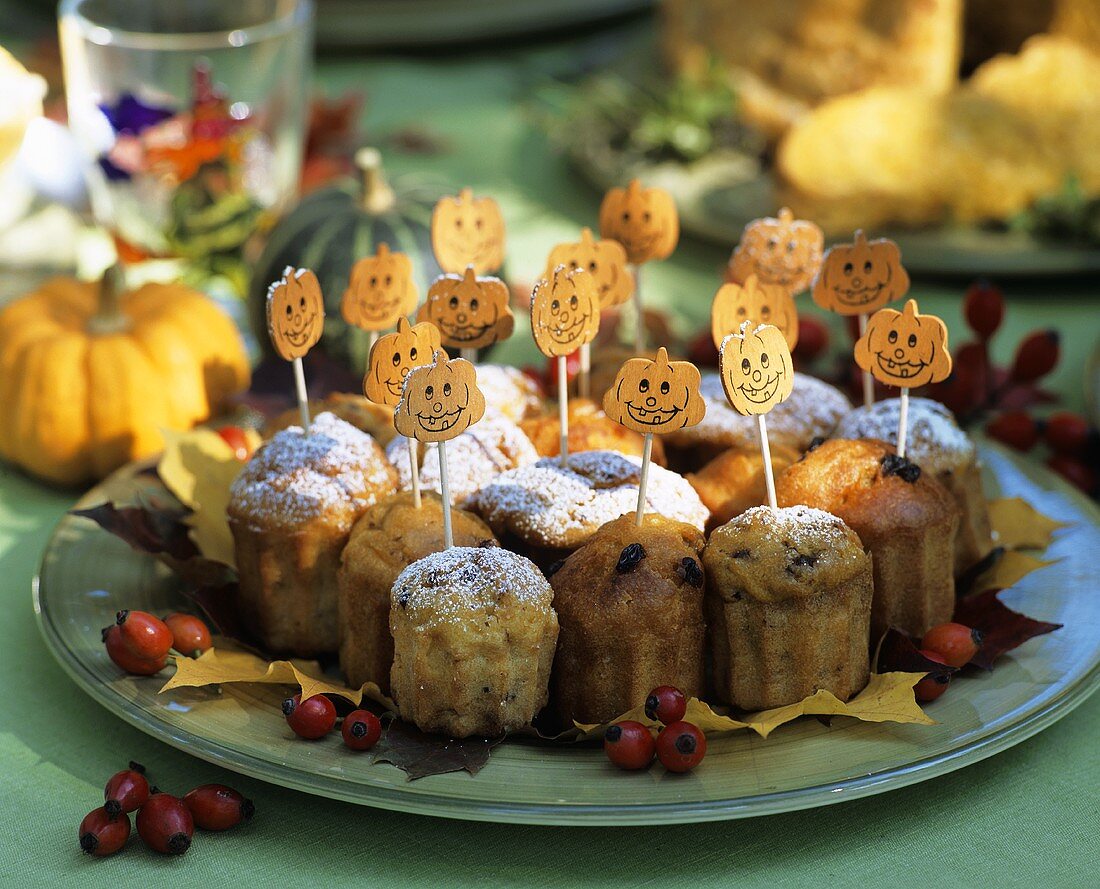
(1019, 525)
(1010, 569)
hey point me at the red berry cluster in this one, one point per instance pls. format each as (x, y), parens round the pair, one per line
(1073, 445)
(165, 823)
(140, 643)
(315, 717)
(680, 745)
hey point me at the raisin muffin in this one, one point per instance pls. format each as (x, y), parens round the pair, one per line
(474, 458)
(547, 510)
(936, 444)
(374, 419)
(590, 429)
(734, 481)
(630, 609)
(474, 633)
(904, 517)
(389, 536)
(291, 510)
(510, 391)
(788, 607)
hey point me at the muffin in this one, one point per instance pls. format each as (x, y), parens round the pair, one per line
(474, 458)
(904, 517)
(510, 391)
(630, 610)
(473, 641)
(734, 481)
(547, 510)
(788, 606)
(389, 536)
(936, 444)
(374, 419)
(590, 429)
(291, 510)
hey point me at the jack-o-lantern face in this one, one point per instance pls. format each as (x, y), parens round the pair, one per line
(470, 312)
(604, 260)
(655, 395)
(862, 277)
(734, 304)
(295, 313)
(440, 400)
(380, 290)
(756, 369)
(643, 220)
(468, 231)
(784, 251)
(565, 312)
(394, 356)
(905, 348)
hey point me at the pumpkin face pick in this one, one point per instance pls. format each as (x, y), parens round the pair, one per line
(394, 356)
(862, 277)
(440, 401)
(756, 369)
(904, 349)
(470, 312)
(605, 260)
(755, 301)
(295, 313)
(655, 395)
(468, 231)
(643, 220)
(565, 312)
(380, 290)
(784, 251)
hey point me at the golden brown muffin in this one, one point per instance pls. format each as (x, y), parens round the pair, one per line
(590, 429)
(788, 607)
(904, 516)
(510, 391)
(374, 419)
(389, 537)
(291, 510)
(473, 641)
(630, 608)
(734, 481)
(936, 444)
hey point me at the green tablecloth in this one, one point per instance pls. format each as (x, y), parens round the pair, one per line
(1028, 817)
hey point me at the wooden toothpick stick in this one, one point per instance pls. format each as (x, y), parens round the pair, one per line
(445, 491)
(903, 421)
(766, 454)
(414, 471)
(643, 479)
(563, 409)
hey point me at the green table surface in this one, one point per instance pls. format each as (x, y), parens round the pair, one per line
(1027, 817)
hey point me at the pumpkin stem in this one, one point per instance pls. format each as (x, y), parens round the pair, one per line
(109, 317)
(377, 196)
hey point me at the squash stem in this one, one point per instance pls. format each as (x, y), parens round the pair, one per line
(377, 197)
(109, 317)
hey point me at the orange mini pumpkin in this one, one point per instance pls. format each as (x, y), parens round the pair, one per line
(753, 301)
(441, 400)
(470, 312)
(380, 290)
(904, 349)
(565, 312)
(643, 220)
(394, 356)
(605, 260)
(468, 231)
(756, 369)
(862, 277)
(778, 250)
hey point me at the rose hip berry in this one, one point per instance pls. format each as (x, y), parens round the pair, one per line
(681, 746)
(955, 643)
(217, 807)
(126, 791)
(237, 439)
(983, 308)
(1067, 433)
(1036, 356)
(666, 704)
(190, 636)
(125, 659)
(102, 834)
(144, 635)
(1017, 429)
(934, 684)
(629, 745)
(312, 718)
(1076, 472)
(165, 824)
(361, 730)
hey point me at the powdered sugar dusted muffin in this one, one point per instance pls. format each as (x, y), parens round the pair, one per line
(788, 607)
(474, 458)
(474, 634)
(936, 444)
(366, 416)
(290, 511)
(549, 510)
(510, 391)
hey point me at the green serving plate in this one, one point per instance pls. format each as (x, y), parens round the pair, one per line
(87, 575)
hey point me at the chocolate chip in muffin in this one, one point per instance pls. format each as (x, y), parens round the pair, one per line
(801, 560)
(902, 467)
(554, 568)
(815, 442)
(739, 554)
(632, 554)
(690, 572)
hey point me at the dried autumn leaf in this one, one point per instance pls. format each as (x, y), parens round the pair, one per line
(419, 755)
(1009, 570)
(897, 651)
(1019, 525)
(1003, 628)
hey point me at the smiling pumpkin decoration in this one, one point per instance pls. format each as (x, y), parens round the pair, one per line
(859, 278)
(441, 400)
(470, 312)
(565, 312)
(784, 251)
(394, 356)
(643, 220)
(605, 260)
(295, 313)
(380, 290)
(756, 369)
(734, 304)
(468, 231)
(904, 349)
(655, 395)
